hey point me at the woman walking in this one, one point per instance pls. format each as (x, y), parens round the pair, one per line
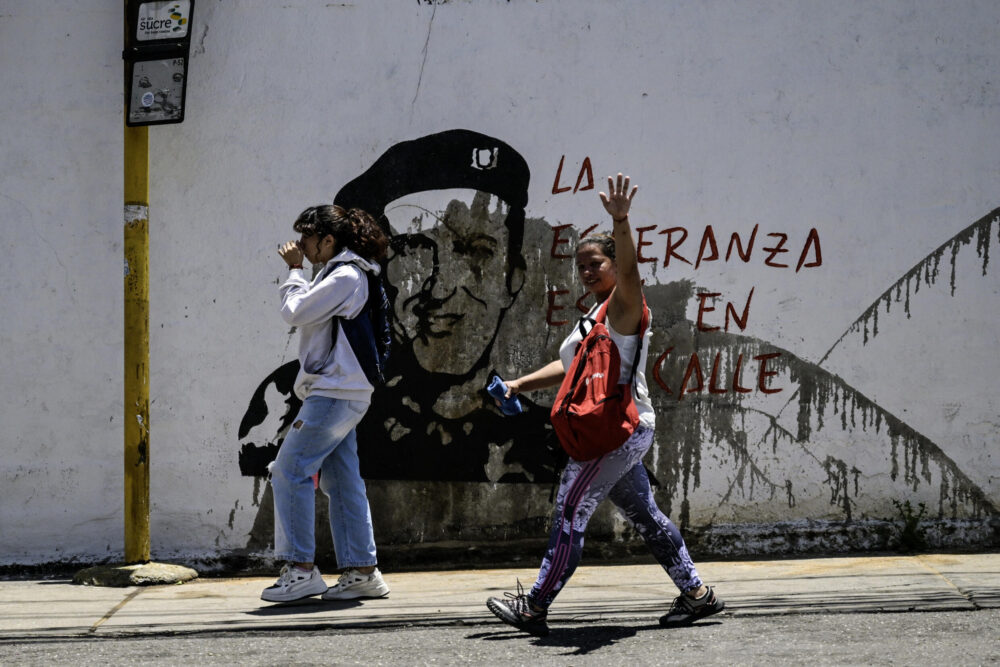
(608, 268)
(335, 395)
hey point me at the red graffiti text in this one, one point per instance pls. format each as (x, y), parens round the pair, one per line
(693, 381)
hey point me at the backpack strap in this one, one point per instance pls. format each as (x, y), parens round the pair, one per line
(364, 274)
(336, 329)
(643, 325)
(587, 318)
(602, 315)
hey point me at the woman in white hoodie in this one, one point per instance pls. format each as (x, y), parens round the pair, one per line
(335, 396)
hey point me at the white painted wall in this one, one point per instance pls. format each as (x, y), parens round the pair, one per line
(874, 124)
(61, 331)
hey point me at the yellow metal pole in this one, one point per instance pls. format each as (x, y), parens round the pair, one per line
(136, 344)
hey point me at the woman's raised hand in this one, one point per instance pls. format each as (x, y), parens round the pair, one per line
(618, 203)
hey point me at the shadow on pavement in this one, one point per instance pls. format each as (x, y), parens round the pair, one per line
(582, 639)
(53, 582)
(308, 606)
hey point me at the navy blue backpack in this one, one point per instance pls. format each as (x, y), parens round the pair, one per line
(370, 333)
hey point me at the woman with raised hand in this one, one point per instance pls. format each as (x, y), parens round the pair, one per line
(608, 268)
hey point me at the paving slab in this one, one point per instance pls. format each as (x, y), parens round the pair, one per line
(634, 593)
(887, 583)
(976, 576)
(45, 608)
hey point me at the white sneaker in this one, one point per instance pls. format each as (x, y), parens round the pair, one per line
(294, 584)
(353, 585)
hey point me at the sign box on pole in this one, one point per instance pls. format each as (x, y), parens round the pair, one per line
(157, 43)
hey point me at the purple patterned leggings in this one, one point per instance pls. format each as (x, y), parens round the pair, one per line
(620, 476)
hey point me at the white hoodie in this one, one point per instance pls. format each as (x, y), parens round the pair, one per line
(311, 307)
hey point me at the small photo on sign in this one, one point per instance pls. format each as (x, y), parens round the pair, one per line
(157, 91)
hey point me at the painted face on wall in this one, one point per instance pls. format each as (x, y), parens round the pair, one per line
(451, 272)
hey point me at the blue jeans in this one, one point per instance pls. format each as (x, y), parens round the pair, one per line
(322, 439)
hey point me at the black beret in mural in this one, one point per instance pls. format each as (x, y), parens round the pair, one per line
(450, 159)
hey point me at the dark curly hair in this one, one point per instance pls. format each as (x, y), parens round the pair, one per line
(350, 228)
(603, 240)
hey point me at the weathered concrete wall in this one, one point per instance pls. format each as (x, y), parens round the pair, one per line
(860, 139)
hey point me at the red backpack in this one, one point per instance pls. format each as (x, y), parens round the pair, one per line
(592, 413)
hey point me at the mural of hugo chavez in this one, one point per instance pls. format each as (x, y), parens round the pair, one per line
(451, 286)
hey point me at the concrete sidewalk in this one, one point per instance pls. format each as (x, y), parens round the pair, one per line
(596, 594)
